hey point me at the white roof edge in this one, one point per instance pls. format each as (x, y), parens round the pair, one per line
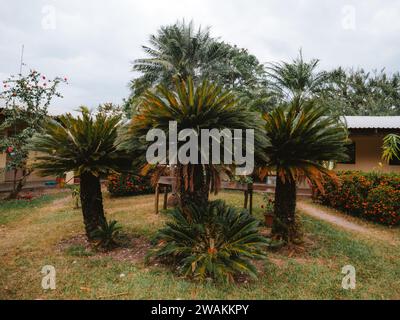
(372, 122)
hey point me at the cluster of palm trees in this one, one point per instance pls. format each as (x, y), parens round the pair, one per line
(181, 81)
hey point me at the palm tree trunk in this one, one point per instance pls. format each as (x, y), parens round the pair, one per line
(284, 225)
(92, 202)
(173, 199)
(192, 186)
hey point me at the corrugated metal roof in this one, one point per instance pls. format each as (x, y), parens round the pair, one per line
(367, 122)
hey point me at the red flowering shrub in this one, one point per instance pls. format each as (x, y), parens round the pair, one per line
(128, 184)
(373, 196)
(383, 203)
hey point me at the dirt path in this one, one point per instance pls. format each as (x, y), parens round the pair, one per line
(330, 216)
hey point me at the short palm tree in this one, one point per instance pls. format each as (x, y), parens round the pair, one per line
(85, 145)
(203, 106)
(217, 241)
(302, 137)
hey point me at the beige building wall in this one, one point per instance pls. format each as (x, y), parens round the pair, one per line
(368, 155)
(34, 176)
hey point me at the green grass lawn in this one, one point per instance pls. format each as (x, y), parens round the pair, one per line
(48, 231)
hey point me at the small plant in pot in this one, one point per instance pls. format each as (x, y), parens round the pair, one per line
(268, 207)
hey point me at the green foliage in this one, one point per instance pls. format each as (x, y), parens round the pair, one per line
(218, 241)
(106, 234)
(344, 92)
(181, 50)
(358, 92)
(242, 179)
(242, 73)
(176, 50)
(391, 147)
(372, 196)
(296, 79)
(86, 143)
(128, 184)
(268, 203)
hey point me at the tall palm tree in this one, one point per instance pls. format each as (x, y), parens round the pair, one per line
(205, 106)
(302, 137)
(86, 145)
(178, 50)
(298, 78)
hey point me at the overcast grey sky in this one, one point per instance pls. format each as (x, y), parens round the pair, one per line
(92, 42)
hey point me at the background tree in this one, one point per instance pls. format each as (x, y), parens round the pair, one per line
(87, 145)
(298, 79)
(358, 92)
(242, 73)
(181, 50)
(178, 50)
(27, 99)
(203, 106)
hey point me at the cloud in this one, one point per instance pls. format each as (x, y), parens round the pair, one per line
(93, 42)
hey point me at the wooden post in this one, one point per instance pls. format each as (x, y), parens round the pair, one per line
(250, 187)
(157, 196)
(165, 197)
(246, 195)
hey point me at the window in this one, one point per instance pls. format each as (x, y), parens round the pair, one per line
(394, 162)
(351, 153)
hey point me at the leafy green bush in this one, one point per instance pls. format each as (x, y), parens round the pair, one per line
(218, 242)
(128, 184)
(373, 196)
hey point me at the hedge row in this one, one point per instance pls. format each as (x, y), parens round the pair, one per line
(373, 196)
(128, 184)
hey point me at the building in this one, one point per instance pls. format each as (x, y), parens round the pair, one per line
(366, 134)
